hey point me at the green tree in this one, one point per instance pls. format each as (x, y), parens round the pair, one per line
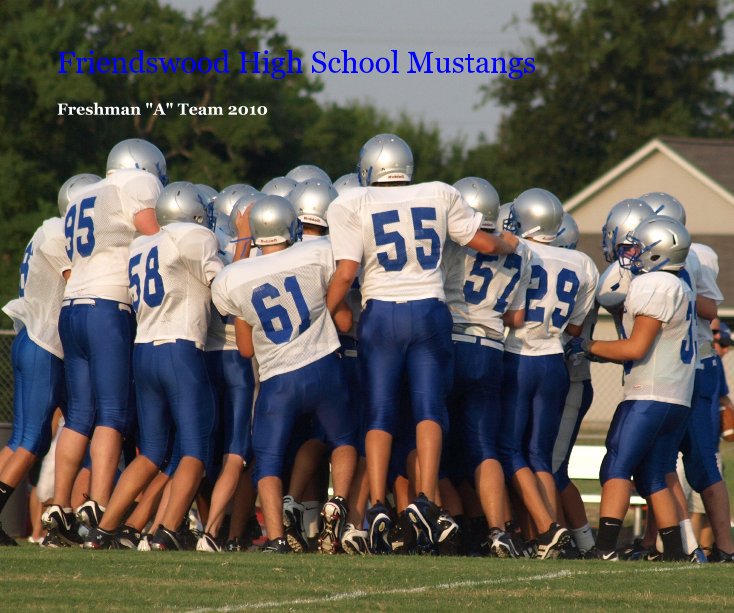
(609, 76)
(39, 150)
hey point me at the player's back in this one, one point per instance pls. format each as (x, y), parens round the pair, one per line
(41, 286)
(282, 296)
(99, 228)
(706, 285)
(169, 274)
(481, 288)
(666, 373)
(561, 291)
(402, 231)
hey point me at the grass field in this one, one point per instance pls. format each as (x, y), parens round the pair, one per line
(125, 580)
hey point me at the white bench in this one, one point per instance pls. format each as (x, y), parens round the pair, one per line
(584, 465)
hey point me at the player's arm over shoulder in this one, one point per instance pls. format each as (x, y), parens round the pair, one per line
(199, 250)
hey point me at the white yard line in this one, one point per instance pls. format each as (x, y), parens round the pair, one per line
(342, 596)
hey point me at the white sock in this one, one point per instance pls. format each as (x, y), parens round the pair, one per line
(689, 539)
(311, 514)
(583, 537)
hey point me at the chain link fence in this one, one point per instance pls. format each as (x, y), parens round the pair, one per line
(6, 376)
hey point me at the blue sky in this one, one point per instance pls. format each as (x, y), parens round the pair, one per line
(374, 28)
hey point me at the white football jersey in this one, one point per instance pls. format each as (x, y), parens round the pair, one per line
(706, 286)
(99, 228)
(481, 288)
(561, 291)
(170, 274)
(282, 295)
(398, 234)
(42, 287)
(666, 373)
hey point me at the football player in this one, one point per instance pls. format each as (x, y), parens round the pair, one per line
(96, 324)
(37, 354)
(484, 293)
(559, 298)
(281, 318)
(700, 442)
(310, 199)
(233, 382)
(578, 402)
(659, 356)
(169, 277)
(397, 231)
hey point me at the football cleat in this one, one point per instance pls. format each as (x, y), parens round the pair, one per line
(89, 514)
(53, 541)
(334, 515)
(234, 545)
(697, 556)
(62, 523)
(379, 529)
(424, 515)
(502, 545)
(597, 554)
(402, 536)
(128, 537)
(206, 542)
(188, 537)
(165, 540)
(279, 545)
(653, 555)
(5, 539)
(293, 525)
(552, 542)
(448, 535)
(634, 552)
(355, 541)
(721, 556)
(100, 539)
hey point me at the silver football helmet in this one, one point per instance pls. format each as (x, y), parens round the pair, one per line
(137, 153)
(209, 193)
(568, 235)
(279, 186)
(385, 158)
(481, 196)
(665, 204)
(181, 201)
(346, 181)
(304, 172)
(536, 214)
(239, 206)
(624, 217)
(659, 243)
(311, 199)
(71, 185)
(225, 202)
(273, 221)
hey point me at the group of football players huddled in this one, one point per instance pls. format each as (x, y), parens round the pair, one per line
(388, 367)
